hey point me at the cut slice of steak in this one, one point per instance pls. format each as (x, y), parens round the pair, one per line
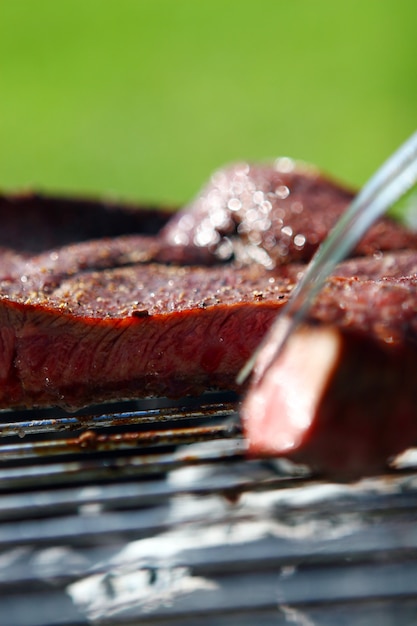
(271, 215)
(131, 332)
(341, 397)
(154, 329)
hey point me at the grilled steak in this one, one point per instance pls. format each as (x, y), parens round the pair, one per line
(149, 328)
(99, 301)
(341, 397)
(268, 215)
(131, 332)
(34, 223)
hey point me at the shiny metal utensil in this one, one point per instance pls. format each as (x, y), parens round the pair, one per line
(393, 179)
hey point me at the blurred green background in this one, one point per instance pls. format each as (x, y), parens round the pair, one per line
(143, 99)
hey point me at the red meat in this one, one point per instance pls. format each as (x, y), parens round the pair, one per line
(341, 397)
(97, 300)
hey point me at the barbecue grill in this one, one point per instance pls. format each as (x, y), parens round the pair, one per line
(149, 512)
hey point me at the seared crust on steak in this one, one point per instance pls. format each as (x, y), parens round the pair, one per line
(136, 331)
(98, 301)
(268, 215)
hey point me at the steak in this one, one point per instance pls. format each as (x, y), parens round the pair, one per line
(136, 331)
(86, 316)
(33, 223)
(268, 215)
(103, 301)
(341, 398)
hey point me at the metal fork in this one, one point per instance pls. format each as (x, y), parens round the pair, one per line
(391, 181)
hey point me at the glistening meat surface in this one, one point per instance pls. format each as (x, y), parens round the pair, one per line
(106, 302)
(272, 215)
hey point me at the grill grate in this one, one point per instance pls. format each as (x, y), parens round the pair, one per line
(149, 512)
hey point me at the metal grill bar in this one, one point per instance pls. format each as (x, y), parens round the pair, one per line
(120, 441)
(139, 466)
(140, 516)
(24, 427)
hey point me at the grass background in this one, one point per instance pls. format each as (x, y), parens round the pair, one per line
(143, 99)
